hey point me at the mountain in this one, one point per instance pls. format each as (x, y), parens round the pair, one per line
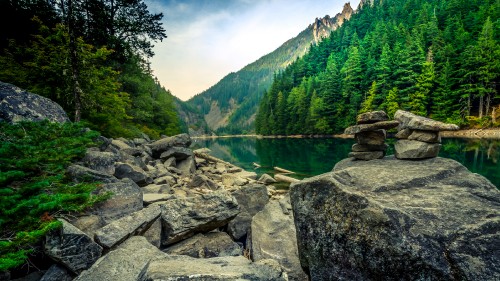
(230, 105)
(435, 58)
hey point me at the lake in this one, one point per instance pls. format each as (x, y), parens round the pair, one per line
(313, 156)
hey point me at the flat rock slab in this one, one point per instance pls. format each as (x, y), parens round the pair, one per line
(209, 245)
(185, 217)
(72, 248)
(274, 237)
(412, 149)
(371, 127)
(150, 198)
(80, 173)
(367, 147)
(371, 219)
(372, 117)
(367, 155)
(416, 122)
(119, 230)
(425, 136)
(219, 268)
(126, 198)
(376, 137)
(135, 173)
(179, 153)
(128, 262)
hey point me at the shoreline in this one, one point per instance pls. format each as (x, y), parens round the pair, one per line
(493, 134)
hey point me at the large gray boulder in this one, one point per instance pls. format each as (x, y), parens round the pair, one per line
(409, 220)
(71, 247)
(213, 269)
(128, 262)
(80, 173)
(412, 149)
(126, 198)
(185, 217)
(209, 245)
(252, 199)
(162, 145)
(57, 273)
(274, 237)
(19, 105)
(119, 230)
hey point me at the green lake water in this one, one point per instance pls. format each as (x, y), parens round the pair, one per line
(313, 156)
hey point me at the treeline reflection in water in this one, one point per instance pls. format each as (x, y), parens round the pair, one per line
(313, 156)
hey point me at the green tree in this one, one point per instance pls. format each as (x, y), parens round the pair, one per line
(419, 100)
(392, 102)
(367, 104)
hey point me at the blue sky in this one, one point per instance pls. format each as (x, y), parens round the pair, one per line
(207, 39)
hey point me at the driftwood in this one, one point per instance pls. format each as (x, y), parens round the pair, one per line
(283, 170)
(211, 158)
(256, 165)
(284, 178)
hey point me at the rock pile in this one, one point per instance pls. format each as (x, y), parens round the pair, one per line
(170, 205)
(370, 134)
(418, 136)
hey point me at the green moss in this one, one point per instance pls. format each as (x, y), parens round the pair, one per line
(33, 185)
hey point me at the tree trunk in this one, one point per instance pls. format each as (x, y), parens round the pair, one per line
(488, 101)
(481, 104)
(493, 115)
(76, 89)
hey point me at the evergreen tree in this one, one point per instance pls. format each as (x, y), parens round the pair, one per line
(419, 100)
(367, 105)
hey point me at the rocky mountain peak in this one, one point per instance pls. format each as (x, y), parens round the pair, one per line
(323, 26)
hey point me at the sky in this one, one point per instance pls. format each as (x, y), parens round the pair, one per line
(208, 39)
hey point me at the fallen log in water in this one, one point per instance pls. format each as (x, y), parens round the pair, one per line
(211, 158)
(284, 178)
(283, 170)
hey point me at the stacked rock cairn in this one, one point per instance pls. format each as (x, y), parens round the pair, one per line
(418, 136)
(370, 134)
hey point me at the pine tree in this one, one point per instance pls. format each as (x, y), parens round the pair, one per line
(370, 97)
(419, 100)
(351, 74)
(391, 103)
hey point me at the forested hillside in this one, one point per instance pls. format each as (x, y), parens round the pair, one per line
(92, 58)
(434, 58)
(230, 105)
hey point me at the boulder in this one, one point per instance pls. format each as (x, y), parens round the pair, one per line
(186, 166)
(412, 149)
(126, 198)
(120, 144)
(71, 247)
(412, 220)
(18, 105)
(135, 173)
(150, 198)
(57, 273)
(203, 181)
(416, 122)
(83, 174)
(267, 179)
(367, 155)
(252, 199)
(179, 153)
(128, 262)
(185, 217)
(100, 161)
(88, 224)
(376, 137)
(170, 162)
(119, 230)
(162, 145)
(425, 136)
(219, 268)
(371, 127)
(372, 117)
(273, 236)
(209, 245)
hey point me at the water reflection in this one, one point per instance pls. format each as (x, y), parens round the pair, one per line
(314, 156)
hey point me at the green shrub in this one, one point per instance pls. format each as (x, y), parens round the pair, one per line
(33, 185)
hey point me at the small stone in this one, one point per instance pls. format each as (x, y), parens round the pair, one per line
(371, 127)
(371, 137)
(370, 155)
(425, 136)
(372, 117)
(403, 133)
(267, 179)
(412, 149)
(366, 147)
